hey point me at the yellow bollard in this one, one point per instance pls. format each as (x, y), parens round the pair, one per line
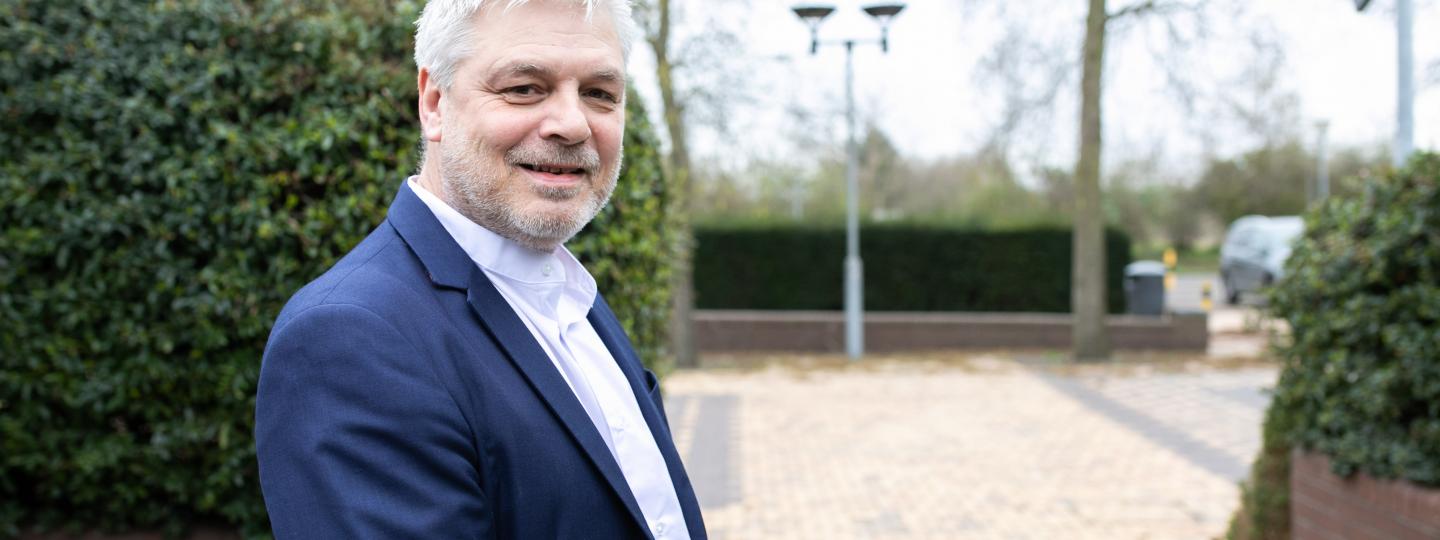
(1170, 260)
(1205, 297)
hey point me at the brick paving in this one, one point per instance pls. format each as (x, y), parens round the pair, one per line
(967, 446)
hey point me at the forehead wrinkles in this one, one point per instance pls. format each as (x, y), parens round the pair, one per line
(567, 42)
(534, 19)
(525, 51)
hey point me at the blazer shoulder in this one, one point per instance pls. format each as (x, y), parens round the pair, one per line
(378, 273)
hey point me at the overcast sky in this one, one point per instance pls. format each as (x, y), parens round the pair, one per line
(933, 100)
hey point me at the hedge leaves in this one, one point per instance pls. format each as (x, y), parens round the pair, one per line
(1361, 382)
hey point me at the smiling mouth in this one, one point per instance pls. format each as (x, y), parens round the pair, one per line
(552, 169)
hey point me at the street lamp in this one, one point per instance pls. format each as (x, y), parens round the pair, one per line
(883, 13)
(1405, 85)
(813, 15)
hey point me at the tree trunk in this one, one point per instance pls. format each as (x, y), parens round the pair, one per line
(1091, 341)
(682, 341)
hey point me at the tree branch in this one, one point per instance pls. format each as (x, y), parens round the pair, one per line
(1151, 6)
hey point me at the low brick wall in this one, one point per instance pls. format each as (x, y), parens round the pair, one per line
(824, 331)
(1324, 506)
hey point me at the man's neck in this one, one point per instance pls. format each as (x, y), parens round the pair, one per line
(429, 178)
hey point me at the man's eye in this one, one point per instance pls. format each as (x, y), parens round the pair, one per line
(602, 95)
(522, 91)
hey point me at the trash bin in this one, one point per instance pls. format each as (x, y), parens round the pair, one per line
(1145, 288)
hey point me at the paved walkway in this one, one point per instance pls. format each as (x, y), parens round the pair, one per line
(967, 447)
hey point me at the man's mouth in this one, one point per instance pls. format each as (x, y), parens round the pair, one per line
(552, 169)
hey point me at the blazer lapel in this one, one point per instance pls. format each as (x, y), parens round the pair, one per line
(447, 263)
(608, 327)
(507, 329)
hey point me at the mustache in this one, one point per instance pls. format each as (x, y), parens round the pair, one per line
(578, 156)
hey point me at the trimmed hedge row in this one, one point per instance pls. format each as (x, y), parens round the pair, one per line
(170, 173)
(907, 268)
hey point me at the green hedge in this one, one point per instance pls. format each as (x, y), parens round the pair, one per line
(170, 172)
(907, 268)
(1361, 381)
(1361, 375)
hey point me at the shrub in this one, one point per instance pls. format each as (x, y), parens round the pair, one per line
(170, 172)
(907, 268)
(1361, 376)
(1362, 296)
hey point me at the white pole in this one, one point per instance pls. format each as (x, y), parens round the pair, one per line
(1405, 104)
(854, 299)
(1322, 163)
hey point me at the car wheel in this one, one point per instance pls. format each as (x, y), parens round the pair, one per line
(1232, 296)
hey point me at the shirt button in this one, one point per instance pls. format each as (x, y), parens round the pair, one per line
(547, 269)
(660, 529)
(619, 427)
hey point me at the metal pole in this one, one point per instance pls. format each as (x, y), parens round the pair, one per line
(1404, 109)
(854, 301)
(1322, 163)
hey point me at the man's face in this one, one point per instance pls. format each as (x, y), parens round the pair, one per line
(534, 120)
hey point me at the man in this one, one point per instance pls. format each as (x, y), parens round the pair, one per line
(457, 375)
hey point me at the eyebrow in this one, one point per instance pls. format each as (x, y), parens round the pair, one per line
(607, 75)
(527, 69)
(520, 69)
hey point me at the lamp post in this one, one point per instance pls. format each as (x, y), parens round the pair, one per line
(813, 15)
(1322, 163)
(1405, 83)
(1405, 99)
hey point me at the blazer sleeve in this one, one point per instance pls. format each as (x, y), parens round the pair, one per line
(357, 438)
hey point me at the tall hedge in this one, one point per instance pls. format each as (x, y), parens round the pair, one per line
(170, 172)
(907, 268)
(1361, 380)
(1361, 375)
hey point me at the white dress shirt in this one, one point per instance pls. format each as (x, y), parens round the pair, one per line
(552, 293)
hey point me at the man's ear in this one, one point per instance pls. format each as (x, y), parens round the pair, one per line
(431, 122)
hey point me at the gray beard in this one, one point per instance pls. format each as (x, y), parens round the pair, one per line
(476, 191)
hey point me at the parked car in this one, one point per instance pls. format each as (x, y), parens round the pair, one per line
(1253, 255)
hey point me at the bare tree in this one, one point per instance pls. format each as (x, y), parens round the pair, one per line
(1088, 290)
(1091, 340)
(703, 56)
(1029, 75)
(656, 17)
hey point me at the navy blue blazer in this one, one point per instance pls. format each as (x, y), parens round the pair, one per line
(401, 397)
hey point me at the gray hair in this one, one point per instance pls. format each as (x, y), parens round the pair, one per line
(445, 27)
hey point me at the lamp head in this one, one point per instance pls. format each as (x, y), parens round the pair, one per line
(883, 14)
(1360, 4)
(813, 15)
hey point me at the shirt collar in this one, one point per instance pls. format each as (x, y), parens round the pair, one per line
(504, 257)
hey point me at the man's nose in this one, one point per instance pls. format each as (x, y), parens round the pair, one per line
(565, 120)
